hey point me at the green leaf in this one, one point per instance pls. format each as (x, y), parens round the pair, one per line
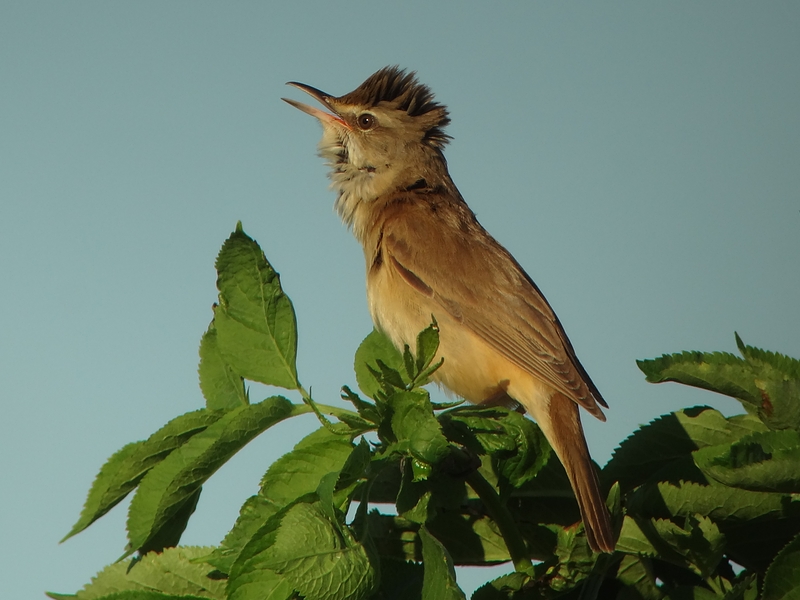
(255, 321)
(671, 439)
(375, 347)
(785, 364)
(366, 410)
(126, 468)
(427, 346)
(400, 580)
(317, 556)
(416, 428)
(718, 502)
(263, 586)
(165, 489)
(766, 461)
(222, 388)
(439, 582)
(778, 379)
(754, 544)
(719, 372)
(409, 363)
(575, 561)
(391, 378)
(141, 595)
(420, 499)
(637, 572)
(170, 574)
(700, 543)
(517, 446)
(502, 588)
(765, 382)
(782, 581)
(169, 534)
(292, 476)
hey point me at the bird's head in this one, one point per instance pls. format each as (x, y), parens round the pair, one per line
(382, 136)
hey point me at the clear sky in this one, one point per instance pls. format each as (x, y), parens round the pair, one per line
(640, 160)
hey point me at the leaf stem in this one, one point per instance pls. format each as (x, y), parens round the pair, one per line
(320, 410)
(508, 529)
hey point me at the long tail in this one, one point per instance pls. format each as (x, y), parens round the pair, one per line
(565, 434)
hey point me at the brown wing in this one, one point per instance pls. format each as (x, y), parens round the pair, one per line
(443, 252)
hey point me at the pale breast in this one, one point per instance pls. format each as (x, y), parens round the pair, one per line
(472, 369)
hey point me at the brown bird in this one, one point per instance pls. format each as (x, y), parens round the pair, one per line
(427, 254)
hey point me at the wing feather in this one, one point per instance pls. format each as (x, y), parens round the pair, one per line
(478, 282)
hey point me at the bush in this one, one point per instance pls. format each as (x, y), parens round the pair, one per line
(705, 505)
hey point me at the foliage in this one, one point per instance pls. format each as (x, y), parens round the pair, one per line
(706, 506)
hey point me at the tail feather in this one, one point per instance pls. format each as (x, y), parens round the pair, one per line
(567, 439)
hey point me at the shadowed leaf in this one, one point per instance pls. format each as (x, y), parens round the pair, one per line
(165, 489)
(126, 468)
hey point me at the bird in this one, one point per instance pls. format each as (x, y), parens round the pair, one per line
(428, 256)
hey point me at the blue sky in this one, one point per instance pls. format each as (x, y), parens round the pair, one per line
(641, 161)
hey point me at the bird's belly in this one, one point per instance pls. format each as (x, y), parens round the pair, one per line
(472, 369)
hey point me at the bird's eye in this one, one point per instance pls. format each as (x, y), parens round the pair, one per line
(366, 121)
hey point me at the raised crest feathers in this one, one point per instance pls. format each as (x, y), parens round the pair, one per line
(401, 88)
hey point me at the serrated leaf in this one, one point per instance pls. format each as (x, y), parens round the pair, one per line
(699, 543)
(143, 595)
(356, 464)
(439, 582)
(376, 346)
(778, 378)
(416, 428)
(255, 321)
(767, 461)
(765, 382)
(746, 588)
(169, 574)
(478, 428)
(263, 586)
(318, 557)
(371, 413)
(471, 539)
(400, 580)
(754, 544)
(408, 362)
(126, 468)
(637, 572)
(718, 502)
(292, 476)
(719, 372)
(420, 499)
(169, 534)
(325, 494)
(222, 388)
(575, 560)
(390, 377)
(670, 438)
(531, 452)
(427, 346)
(706, 544)
(782, 580)
(517, 447)
(785, 364)
(165, 489)
(502, 588)
(299, 471)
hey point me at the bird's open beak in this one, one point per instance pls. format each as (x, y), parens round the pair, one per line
(323, 98)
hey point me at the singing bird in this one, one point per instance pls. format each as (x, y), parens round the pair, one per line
(426, 254)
